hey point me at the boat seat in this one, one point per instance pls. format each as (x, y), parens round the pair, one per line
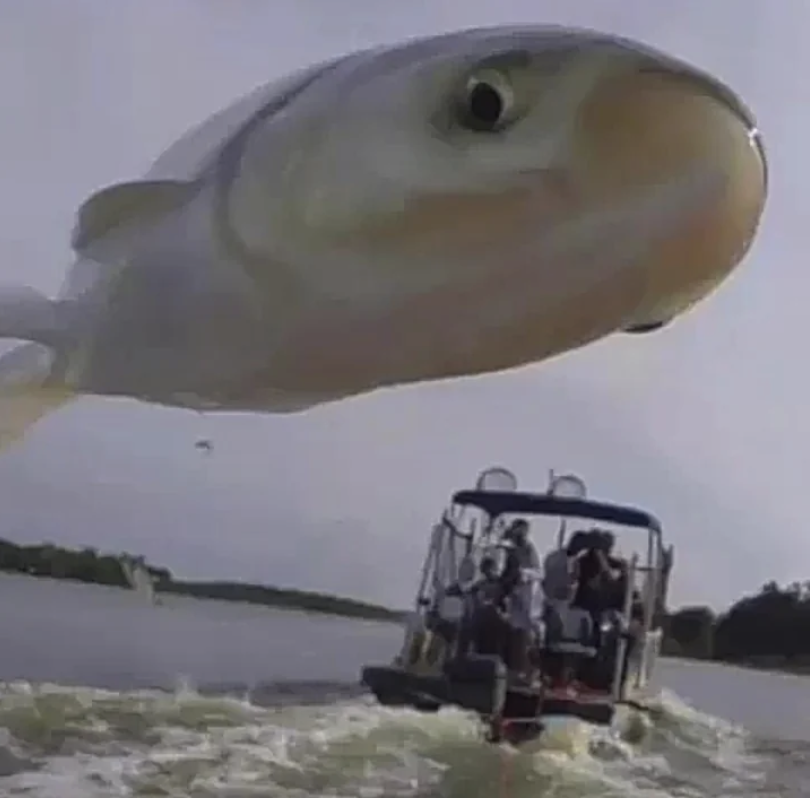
(568, 630)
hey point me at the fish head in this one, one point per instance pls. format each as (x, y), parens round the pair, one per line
(486, 199)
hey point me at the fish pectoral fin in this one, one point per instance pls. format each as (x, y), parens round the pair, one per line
(645, 327)
(121, 205)
(26, 391)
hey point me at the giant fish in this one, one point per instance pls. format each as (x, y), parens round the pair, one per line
(453, 205)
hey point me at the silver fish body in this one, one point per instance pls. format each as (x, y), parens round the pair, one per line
(449, 206)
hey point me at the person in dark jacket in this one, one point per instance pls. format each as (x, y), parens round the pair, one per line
(598, 573)
(488, 626)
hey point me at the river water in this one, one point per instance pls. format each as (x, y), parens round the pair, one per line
(103, 695)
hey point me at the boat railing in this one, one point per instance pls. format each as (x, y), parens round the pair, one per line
(621, 649)
(648, 654)
(650, 635)
(444, 567)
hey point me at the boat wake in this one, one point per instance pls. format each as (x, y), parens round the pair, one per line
(65, 742)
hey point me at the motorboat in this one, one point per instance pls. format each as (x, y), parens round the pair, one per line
(584, 661)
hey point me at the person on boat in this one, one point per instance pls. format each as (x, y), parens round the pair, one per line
(598, 572)
(601, 592)
(487, 621)
(559, 585)
(560, 571)
(615, 588)
(487, 590)
(519, 588)
(618, 565)
(578, 543)
(563, 622)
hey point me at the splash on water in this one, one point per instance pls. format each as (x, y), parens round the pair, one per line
(61, 742)
(139, 578)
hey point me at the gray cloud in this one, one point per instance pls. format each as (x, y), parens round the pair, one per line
(704, 423)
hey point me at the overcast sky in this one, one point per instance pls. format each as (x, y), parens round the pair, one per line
(705, 423)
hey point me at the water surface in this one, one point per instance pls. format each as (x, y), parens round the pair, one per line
(103, 695)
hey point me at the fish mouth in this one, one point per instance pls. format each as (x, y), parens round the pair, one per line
(646, 135)
(658, 200)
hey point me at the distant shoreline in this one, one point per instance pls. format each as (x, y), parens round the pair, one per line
(765, 630)
(771, 623)
(773, 665)
(90, 567)
(763, 664)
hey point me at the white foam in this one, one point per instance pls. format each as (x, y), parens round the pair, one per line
(183, 744)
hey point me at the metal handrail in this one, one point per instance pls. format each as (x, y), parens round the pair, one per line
(617, 689)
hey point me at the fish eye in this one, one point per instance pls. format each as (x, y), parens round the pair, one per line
(487, 103)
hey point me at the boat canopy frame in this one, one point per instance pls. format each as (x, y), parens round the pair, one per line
(495, 503)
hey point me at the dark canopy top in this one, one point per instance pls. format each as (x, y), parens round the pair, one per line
(495, 502)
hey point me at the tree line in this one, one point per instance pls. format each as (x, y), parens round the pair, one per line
(769, 629)
(88, 565)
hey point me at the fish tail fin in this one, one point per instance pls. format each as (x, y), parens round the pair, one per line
(28, 315)
(26, 391)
